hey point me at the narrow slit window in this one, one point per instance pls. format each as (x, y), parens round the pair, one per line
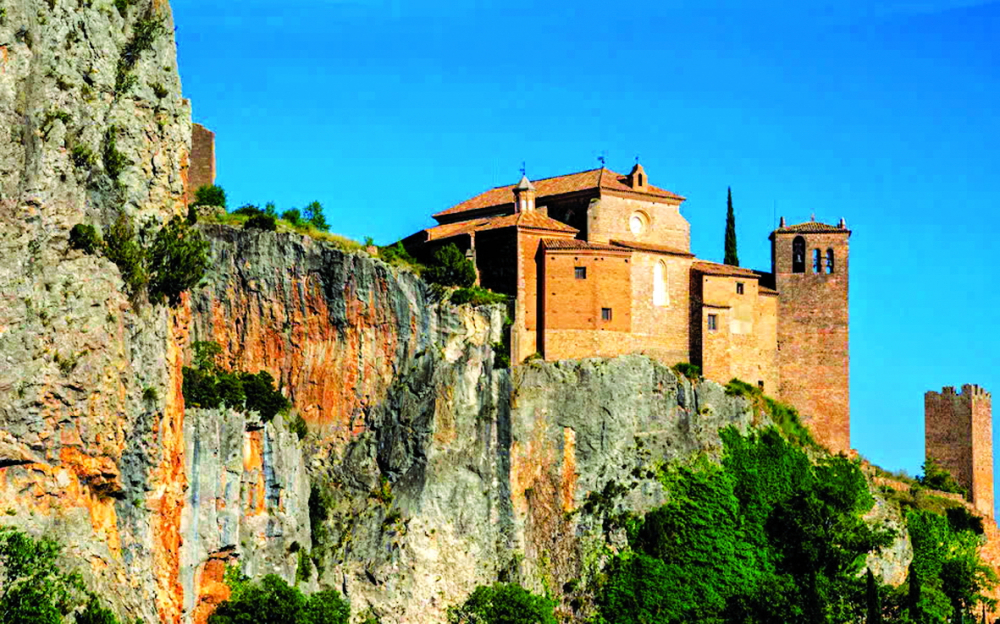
(829, 261)
(713, 322)
(581, 272)
(605, 314)
(660, 295)
(739, 288)
(817, 261)
(799, 255)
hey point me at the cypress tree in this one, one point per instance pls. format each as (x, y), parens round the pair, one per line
(731, 256)
(913, 596)
(873, 600)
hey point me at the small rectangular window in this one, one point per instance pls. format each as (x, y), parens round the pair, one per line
(581, 272)
(739, 288)
(605, 314)
(713, 322)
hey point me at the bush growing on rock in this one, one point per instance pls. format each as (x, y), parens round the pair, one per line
(122, 247)
(34, 589)
(450, 267)
(85, 238)
(261, 222)
(503, 603)
(178, 260)
(213, 195)
(205, 386)
(273, 601)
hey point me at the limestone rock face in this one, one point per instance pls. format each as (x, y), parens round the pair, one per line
(87, 405)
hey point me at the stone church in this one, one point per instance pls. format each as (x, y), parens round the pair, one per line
(600, 264)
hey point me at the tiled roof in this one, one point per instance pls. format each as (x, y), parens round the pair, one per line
(724, 270)
(812, 227)
(652, 248)
(764, 290)
(585, 180)
(573, 243)
(530, 219)
(454, 229)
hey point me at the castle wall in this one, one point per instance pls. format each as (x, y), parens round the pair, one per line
(202, 170)
(958, 435)
(813, 338)
(608, 219)
(661, 331)
(744, 342)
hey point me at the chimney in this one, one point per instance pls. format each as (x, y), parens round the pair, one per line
(524, 195)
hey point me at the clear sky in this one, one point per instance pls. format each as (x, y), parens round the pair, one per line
(884, 113)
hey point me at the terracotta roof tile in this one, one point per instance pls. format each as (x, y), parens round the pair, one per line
(652, 248)
(724, 270)
(574, 243)
(502, 196)
(812, 227)
(764, 290)
(531, 219)
(454, 229)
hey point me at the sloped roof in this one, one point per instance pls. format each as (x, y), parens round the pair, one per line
(454, 229)
(664, 249)
(593, 179)
(722, 270)
(530, 219)
(576, 244)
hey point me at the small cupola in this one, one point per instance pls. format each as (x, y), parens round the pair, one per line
(524, 195)
(637, 179)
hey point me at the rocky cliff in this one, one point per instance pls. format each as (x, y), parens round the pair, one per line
(423, 470)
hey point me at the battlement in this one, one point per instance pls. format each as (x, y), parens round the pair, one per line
(968, 390)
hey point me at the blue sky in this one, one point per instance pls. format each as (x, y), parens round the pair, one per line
(881, 113)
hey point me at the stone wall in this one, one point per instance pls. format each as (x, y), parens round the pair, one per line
(959, 436)
(813, 336)
(608, 219)
(202, 172)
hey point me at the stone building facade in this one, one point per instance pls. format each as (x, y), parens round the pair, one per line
(958, 434)
(600, 264)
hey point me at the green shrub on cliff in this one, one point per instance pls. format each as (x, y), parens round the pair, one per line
(273, 601)
(450, 267)
(178, 260)
(936, 477)
(205, 385)
(85, 238)
(210, 195)
(34, 588)
(122, 247)
(503, 603)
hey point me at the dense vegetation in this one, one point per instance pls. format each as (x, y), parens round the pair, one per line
(273, 601)
(210, 195)
(34, 589)
(450, 267)
(503, 603)
(207, 386)
(770, 536)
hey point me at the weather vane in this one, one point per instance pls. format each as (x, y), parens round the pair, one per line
(637, 159)
(524, 169)
(601, 159)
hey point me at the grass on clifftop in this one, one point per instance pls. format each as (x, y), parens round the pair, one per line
(239, 220)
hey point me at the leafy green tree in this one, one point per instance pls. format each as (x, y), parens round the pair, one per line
(178, 260)
(314, 215)
(212, 195)
(33, 588)
(503, 603)
(96, 613)
(450, 267)
(937, 477)
(261, 395)
(273, 601)
(732, 258)
(261, 222)
(293, 216)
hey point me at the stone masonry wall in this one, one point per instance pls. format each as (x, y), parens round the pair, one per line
(813, 335)
(958, 434)
(608, 219)
(202, 172)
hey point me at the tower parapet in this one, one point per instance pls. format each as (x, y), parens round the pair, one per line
(958, 435)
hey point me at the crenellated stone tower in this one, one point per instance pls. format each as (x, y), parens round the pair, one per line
(958, 434)
(810, 265)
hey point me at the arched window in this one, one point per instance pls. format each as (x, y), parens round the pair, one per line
(829, 261)
(660, 293)
(817, 261)
(799, 255)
